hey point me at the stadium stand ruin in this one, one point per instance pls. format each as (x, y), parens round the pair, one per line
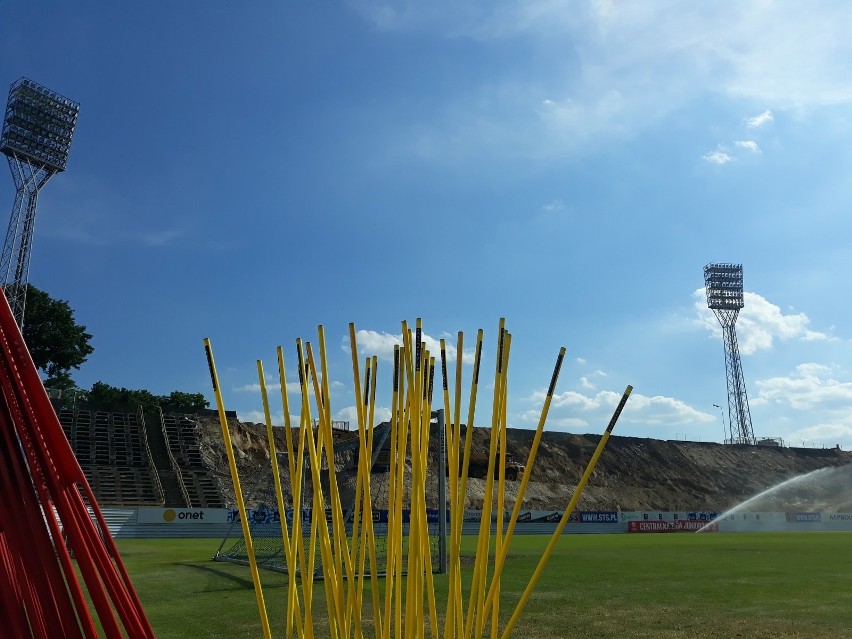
(136, 458)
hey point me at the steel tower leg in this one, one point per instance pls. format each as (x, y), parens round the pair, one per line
(15, 258)
(739, 415)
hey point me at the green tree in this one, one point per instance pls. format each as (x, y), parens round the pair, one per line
(178, 401)
(103, 393)
(189, 402)
(61, 381)
(55, 341)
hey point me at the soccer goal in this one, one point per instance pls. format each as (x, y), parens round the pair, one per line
(265, 525)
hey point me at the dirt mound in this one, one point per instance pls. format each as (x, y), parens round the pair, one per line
(632, 473)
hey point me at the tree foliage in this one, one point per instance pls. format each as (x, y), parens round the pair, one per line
(55, 341)
(178, 401)
(189, 402)
(61, 381)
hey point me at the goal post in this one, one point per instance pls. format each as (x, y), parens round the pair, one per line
(265, 519)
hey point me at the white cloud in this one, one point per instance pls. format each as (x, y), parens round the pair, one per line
(607, 69)
(555, 205)
(382, 346)
(585, 382)
(815, 405)
(292, 387)
(531, 418)
(350, 414)
(573, 408)
(828, 435)
(749, 145)
(808, 388)
(790, 53)
(257, 417)
(573, 116)
(578, 401)
(254, 416)
(759, 323)
(273, 387)
(719, 156)
(761, 120)
(658, 410)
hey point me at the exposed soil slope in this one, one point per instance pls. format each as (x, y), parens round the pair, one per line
(632, 474)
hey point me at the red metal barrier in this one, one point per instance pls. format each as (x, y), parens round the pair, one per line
(47, 508)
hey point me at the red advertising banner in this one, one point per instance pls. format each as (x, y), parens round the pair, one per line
(681, 525)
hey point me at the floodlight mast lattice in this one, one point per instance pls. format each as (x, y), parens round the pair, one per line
(36, 138)
(724, 285)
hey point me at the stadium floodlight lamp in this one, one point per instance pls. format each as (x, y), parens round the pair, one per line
(38, 125)
(724, 284)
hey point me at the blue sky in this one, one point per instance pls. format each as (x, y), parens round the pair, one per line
(245, 172)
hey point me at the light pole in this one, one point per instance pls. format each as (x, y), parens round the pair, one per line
(724, 428)
(36, 137)
(725, 297)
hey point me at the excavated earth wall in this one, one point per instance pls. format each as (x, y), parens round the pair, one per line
(633, 474)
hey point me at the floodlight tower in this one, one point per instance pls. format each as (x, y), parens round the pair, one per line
(724, 283)
(36, 137)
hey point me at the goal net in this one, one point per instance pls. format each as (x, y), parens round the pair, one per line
(265, 525)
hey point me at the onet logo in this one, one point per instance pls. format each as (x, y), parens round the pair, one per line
(169, 515)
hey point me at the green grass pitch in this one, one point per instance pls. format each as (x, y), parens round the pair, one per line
(754, 585)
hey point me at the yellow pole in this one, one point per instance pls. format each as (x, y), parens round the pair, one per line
(285, 406)
(339, 542)
(410, 582)
(403, 452)
(359, 529)
(344, 556)
(238, 493)
(476, 620)
(276, 476)
(391, 540)
(565, 516)
(423, 556)
(415, 630)
(319, 526)
(500, 558)
(298, 543)
(331, 563)
(293, 608)
(452, 476)
(454, 590)
(427, 547)
(362, 451)
(501, 493)
(471, 409)
(448, 428)
(368, 509)
(396, 518)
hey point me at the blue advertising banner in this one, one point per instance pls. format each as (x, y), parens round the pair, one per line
(594, 517)
(804, 517)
